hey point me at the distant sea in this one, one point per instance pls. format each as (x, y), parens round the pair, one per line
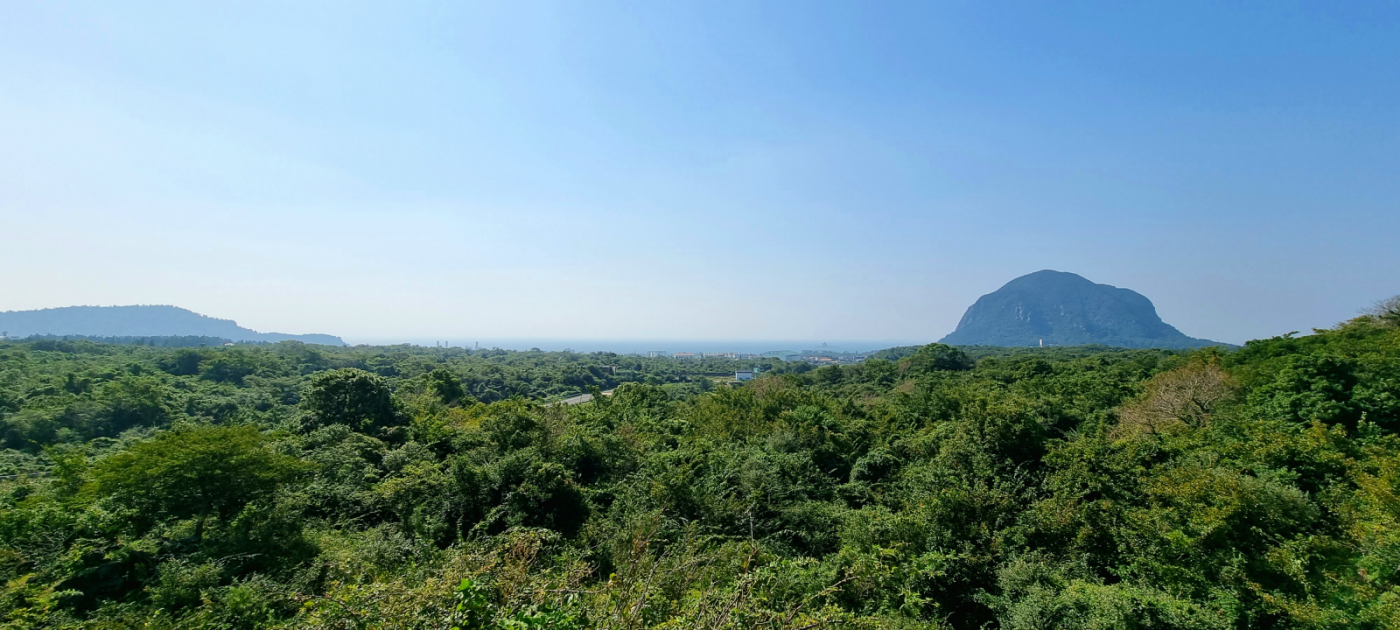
(635, 346)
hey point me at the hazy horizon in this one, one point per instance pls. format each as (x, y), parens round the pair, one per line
(780, 170)
(642, 346)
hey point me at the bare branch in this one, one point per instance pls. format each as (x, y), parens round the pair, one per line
(1387, 310)
(1185, 396)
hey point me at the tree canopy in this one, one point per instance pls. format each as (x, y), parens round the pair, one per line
(194, 472)
(932, 487)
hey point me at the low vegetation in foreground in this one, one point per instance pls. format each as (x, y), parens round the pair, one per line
(292, 486)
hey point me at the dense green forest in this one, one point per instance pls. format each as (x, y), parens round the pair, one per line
(296, 486)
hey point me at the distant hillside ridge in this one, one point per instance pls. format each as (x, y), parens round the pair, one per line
(1064, 309)
(139, 321)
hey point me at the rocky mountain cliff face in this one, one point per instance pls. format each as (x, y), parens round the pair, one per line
(1065, 309)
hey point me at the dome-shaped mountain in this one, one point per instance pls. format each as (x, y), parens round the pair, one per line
(1065, 309)
(138, 321)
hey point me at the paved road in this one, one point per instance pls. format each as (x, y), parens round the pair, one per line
(581, 398)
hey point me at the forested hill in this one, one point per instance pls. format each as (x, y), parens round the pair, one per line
(1065, 309)
(297, 486)
(139, 321)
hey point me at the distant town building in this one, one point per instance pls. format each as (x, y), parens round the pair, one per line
(658, 353)
(683, 355)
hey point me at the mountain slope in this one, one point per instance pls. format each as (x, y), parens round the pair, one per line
(138, 321)
(1065, 309)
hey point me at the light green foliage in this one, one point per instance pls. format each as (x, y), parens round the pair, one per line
(195, 472)
(932, 487)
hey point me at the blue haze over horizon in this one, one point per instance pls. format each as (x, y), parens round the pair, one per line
(705, 171)
(643, 346)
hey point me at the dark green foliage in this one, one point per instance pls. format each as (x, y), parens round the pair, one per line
(1087, 487)
(446, 385)
(133, 401)
(183, 362)
(52, 342)
(936, 357)
(231, 365)
(354, 398)
(540, 494)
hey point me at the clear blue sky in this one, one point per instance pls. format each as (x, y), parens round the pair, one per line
(707, 170)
